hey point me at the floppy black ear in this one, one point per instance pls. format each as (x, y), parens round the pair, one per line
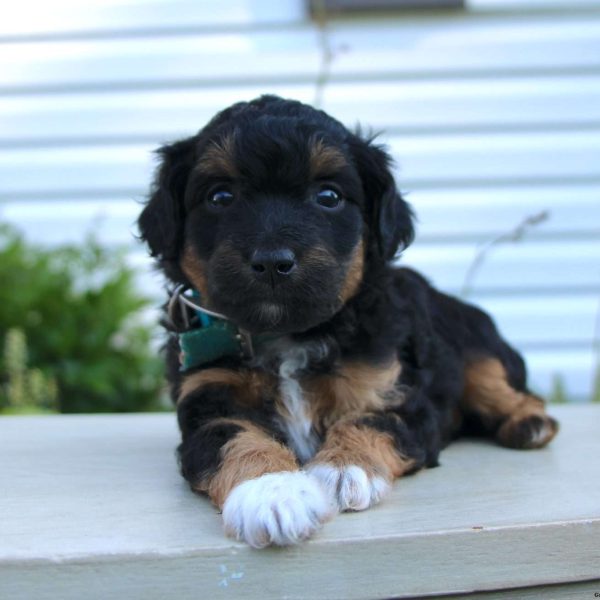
(161, 221)
(390, 217)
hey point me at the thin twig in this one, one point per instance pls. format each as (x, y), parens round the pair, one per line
(327, 51)
(515, 235)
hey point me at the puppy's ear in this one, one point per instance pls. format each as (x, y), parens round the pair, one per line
(390, 218)
(161, 222)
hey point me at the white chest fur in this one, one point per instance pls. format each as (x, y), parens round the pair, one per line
(295, 415)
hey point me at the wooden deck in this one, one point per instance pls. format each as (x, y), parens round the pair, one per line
(93, 507)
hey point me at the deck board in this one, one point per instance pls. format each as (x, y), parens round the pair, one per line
(91, 503)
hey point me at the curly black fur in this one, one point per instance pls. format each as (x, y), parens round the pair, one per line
(392, 312)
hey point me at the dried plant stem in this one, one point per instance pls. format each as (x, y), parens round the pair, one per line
(515, 235)
(326, 52)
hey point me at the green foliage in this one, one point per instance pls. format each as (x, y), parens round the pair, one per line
(596, 385)
(79, 311)
(558, 393)
(24, 390)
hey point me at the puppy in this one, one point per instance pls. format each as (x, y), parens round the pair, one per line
(308, 371)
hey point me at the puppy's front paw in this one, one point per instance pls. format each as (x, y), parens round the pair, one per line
(277, 508)
(351, 486)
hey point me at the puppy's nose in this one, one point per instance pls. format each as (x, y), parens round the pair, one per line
(273, 263)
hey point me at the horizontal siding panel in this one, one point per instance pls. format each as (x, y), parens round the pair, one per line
(568, 101)
(548, 322)
(488, 213)
(534, 265)
(438, 105)
(63, 170)
(202, 58)
(420, 49)
(481, 158)
(462, 45)
(519, 5)
(433, 160)
(30, 17)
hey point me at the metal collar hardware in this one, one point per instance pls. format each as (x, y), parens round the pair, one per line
(180, 301)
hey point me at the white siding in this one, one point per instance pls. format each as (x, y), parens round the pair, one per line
(492, 114)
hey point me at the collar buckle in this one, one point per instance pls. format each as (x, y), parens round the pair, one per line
(246, 345)
(180, 302)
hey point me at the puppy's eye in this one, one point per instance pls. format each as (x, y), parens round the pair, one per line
(219, 199)
(329, 198)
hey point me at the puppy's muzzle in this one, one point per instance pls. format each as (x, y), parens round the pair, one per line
(273, 265)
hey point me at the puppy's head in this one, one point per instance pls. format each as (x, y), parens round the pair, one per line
(273, 212)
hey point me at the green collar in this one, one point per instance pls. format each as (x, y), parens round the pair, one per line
(208, 336)
(207, 344)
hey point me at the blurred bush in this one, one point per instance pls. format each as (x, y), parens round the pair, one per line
(71, 331)
(24, 389)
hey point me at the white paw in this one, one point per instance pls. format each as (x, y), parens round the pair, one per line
(350, 486)
(277, 508)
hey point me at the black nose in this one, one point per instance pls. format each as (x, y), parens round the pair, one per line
(273, 263)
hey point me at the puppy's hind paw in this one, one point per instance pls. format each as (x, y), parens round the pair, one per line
(350, 485)
(277, 508)
(533, 431)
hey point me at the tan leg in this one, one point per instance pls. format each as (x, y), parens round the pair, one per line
(264, 497)
(518, 418)
(358, 464)
(250, 454)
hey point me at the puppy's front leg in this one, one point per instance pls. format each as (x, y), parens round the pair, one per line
(265, 498)
(358, 463)
(249, 475)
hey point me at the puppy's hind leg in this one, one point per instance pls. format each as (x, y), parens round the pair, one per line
(517, 417)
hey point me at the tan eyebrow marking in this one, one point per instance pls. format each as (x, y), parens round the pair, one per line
(324, 160)
(219, 158)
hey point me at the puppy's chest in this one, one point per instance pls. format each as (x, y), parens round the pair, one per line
(308, 404)
(295, 409)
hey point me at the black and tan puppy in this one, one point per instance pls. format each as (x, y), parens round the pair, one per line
(324, 372)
